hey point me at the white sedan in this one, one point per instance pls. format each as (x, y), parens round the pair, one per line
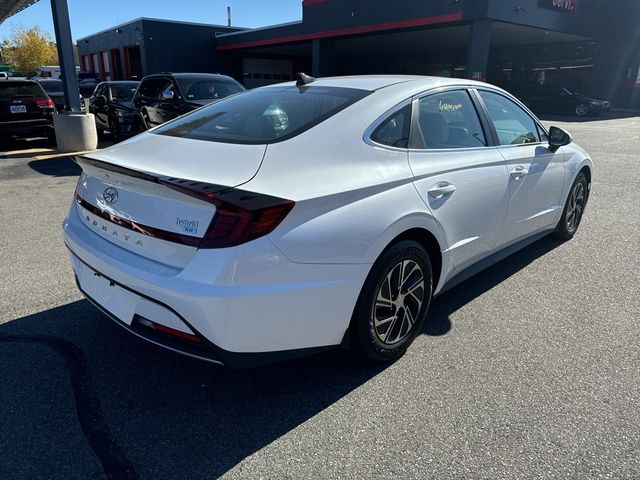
(304, 216)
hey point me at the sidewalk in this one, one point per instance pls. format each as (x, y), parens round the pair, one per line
(37, 149)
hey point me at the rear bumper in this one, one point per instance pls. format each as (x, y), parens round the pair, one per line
(203, 350)
(248, 305)
(26, 128)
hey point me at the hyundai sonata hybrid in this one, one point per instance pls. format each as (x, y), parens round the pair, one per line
(314, 214)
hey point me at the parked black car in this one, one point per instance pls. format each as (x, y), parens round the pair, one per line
(25, 110)
(87, 82)
(112, 107)
(165, 96)
(552, 99)
(54, 89)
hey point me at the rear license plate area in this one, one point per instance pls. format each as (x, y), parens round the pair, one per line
(114, 299)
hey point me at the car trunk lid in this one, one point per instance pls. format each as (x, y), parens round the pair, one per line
(131, 194)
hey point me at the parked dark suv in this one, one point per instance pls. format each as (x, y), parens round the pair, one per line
(165, 96)
(25, 110)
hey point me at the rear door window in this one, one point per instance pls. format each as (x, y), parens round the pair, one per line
(448, 120)
(264, 115)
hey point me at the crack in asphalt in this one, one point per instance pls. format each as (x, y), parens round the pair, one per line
(115, 464)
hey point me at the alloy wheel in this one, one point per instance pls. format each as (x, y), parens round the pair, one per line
(575, 206)
(398, 302)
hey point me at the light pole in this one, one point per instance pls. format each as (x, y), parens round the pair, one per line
(64, 43)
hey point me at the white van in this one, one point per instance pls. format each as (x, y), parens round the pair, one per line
(48, 72)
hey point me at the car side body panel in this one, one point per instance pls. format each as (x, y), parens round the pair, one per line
(535, 193)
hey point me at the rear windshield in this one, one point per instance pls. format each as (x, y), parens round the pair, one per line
(9, 90)
(208, 88)
(263, 116)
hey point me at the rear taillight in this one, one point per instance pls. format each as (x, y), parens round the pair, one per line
(240, 216)
(42, 103)
(167, 330)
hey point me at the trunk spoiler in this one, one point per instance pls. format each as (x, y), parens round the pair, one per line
(241, 216)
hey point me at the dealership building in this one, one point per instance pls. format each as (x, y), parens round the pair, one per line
(589, 45)
(143, 46)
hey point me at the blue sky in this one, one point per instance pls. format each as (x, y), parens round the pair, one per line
(90, 16)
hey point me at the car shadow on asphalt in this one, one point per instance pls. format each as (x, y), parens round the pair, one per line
(616, 115)
(148, 413)
(443, 306)
(145, 412)
(56, 167)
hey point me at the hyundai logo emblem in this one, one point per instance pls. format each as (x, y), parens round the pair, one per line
(110, 196)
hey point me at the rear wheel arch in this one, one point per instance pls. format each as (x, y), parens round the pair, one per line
(429, 242)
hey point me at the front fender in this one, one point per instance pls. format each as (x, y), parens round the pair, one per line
(577, 159)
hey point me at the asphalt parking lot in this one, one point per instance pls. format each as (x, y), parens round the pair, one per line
(530, 369)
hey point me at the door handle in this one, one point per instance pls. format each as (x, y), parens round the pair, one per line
(518, 172)
(441, 189)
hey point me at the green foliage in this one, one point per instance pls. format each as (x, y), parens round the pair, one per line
(28, 49)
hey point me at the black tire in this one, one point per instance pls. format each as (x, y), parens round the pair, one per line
(369, 335)
(574, 208)
(582, 110)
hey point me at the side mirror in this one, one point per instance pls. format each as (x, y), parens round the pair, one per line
(168, 95)
(559, 137)
(100, 101)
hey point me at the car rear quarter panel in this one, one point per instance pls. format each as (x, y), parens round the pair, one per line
(352, 198)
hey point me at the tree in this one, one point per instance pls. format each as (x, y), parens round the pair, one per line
(28, 49)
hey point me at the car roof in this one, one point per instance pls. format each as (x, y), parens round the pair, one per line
(120, 82)
(376, 82)
(185, 74)
(12, 81)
